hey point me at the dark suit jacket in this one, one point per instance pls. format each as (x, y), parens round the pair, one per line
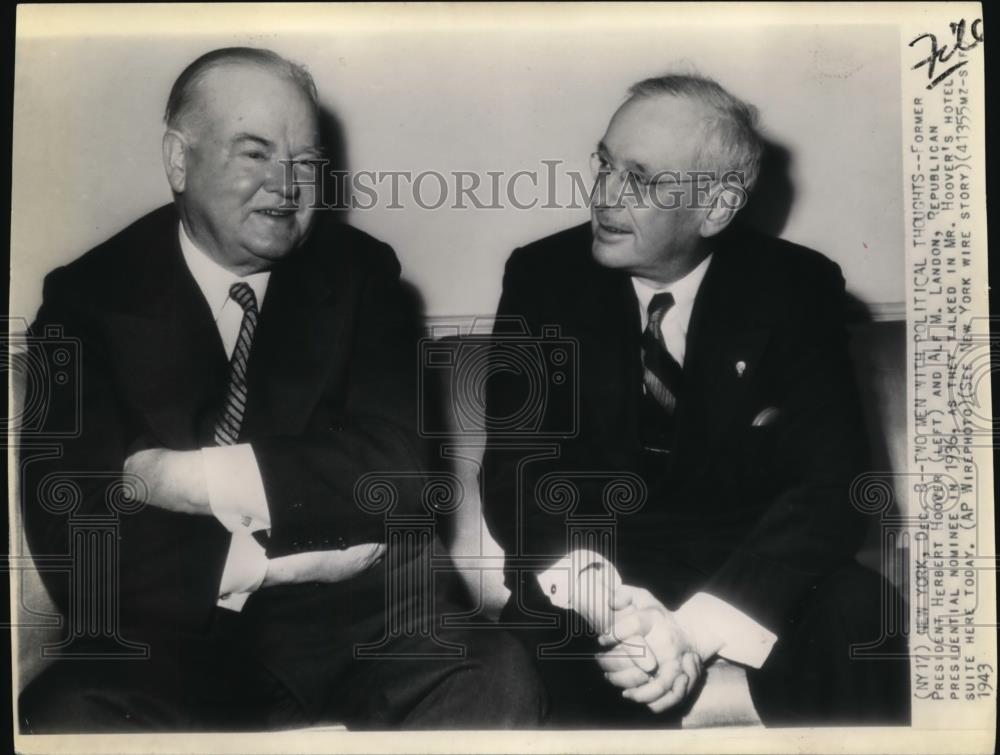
(332, 396)
(754, 515)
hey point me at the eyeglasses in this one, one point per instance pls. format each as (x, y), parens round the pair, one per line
(603, 167)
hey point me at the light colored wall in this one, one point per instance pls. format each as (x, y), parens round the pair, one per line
(486, 97)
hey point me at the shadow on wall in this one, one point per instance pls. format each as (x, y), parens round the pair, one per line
(336, 189)
(771, 202)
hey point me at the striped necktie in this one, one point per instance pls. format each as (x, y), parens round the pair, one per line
(227, 428)
(661, 373)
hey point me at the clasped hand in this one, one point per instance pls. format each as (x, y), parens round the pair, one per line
(641, 626)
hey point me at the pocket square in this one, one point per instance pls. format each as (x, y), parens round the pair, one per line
(766, 417)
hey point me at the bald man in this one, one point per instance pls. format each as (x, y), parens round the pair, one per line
(245, 367)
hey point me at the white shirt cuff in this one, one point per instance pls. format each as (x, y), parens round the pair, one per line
(235, 488)
(245, 569)
(743, 639)
(583, 581)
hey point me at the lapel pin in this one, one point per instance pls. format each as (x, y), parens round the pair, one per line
(741, 367)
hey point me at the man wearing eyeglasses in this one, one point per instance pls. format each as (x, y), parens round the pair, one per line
(714, 370)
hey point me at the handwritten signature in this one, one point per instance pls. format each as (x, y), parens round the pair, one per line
(942, 54)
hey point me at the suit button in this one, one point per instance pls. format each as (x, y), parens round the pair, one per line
(341, 543)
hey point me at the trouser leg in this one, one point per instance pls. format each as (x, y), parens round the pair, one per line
(492, 685)
(350, 655)
(204, 682)
(811, 675)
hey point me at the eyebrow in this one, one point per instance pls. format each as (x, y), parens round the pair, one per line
(317, 153)
(630, 164)
(246, 137)
(312, 152)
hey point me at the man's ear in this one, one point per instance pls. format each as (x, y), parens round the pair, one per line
(175, 153)
(726, 201)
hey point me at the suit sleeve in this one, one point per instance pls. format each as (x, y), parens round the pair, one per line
(71, 463)
(513, 465)
(319, 484)
(500, 469)
(809, 527)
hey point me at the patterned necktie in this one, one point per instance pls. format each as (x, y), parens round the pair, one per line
(661, 372)
(227, 428)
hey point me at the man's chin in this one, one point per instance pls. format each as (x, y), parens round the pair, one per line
(610, 254)
(272, 250)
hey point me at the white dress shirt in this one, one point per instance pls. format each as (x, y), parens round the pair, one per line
(742, 639)
(674, 325)
(235, 488)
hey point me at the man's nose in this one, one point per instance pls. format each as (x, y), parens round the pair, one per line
(608, 190)
(280, 179)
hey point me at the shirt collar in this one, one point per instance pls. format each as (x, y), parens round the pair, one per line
(684, 290)
(213, 279)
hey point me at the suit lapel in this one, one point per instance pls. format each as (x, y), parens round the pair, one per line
(164, 342)
(610, 359)
(726, 338)
(302, 329)
(168, 351)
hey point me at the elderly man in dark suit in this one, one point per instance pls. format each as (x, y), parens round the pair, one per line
(713, 377)
(247, 367)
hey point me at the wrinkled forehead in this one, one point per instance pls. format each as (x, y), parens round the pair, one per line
(661, 132)
(245, 97)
